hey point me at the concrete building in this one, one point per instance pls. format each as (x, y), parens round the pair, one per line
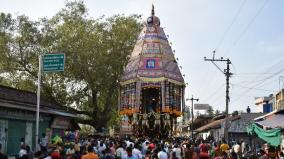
(279, 100)
(264, 104)
(18, 119)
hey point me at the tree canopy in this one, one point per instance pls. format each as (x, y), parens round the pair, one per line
(96, 52)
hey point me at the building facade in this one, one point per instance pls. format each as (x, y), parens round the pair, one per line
(18, 119)
(264, 104)
(279, 100)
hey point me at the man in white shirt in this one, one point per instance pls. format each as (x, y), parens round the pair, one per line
(237, 148)
(120, 151)
(136, 152)
(162, 154)
(43, 142)
(243, 145)
(145, 146)
(101, 149)
(177, 150)
(23, 151)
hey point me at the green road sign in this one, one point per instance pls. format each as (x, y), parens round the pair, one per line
(53, 62)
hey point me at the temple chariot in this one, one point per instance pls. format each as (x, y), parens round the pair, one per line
(151, 94)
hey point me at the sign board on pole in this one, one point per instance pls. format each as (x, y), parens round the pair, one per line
(53, 62)
(201, 106)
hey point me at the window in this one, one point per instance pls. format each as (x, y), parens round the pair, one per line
(151, 48)
(150, 63)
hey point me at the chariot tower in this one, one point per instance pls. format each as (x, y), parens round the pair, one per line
(152, 86)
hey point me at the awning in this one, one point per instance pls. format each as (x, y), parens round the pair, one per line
(273, 136)
(266, 115)
(275, 121)
(213, 125)
(60, 113)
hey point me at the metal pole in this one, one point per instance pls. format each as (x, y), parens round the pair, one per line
(228, 74)
(192, 99)
(192, 117)
(38, 99)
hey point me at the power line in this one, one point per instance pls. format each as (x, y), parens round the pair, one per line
(231, 24)
(247, 27)
(275, 64)
(227, 74)
(214, 93)
(261, 80)
(249, 82)
(207, 85)
(224, 35)
(258, 84)
(242, 86)
(247, 96)
(273, 80)
(235, 70)
(253, 74)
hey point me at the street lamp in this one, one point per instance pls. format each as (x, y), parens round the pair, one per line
(192, 99)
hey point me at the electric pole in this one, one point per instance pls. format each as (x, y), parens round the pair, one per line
(192, 99)
(228, 74)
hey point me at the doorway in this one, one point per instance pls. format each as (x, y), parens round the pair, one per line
(3, 134)
(150, 100)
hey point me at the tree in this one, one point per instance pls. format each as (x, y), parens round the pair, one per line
(96, 51)
(210, 111)
(217, 112)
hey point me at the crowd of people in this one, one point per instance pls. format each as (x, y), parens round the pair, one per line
(137, 148)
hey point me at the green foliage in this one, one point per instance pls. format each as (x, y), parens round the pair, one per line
(96, 51)
(210, 111)
(217, 112)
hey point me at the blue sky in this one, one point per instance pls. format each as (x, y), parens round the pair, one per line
(254, 42)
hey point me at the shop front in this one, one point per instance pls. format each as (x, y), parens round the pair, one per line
(18, 119)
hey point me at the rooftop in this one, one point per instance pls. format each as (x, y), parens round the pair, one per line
(20, 99)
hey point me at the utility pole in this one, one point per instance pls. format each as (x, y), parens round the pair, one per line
(38, 99)
(228, 74)
(192, 99)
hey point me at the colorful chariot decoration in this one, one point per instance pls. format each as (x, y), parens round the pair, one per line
(152, 87)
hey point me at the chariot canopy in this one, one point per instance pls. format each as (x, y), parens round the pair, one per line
(152, 81)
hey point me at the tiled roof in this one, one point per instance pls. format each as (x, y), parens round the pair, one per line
(15, 98)
(212, 125)
(239, 126)
(249, 117)
(275, 121)
(271, 120)
(237, 123)
(215, 124)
